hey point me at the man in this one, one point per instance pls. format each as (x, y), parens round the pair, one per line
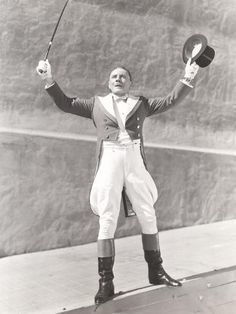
(119, 119)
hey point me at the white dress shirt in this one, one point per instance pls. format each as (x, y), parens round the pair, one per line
(124, 108)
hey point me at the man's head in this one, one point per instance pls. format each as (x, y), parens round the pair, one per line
(120, 81)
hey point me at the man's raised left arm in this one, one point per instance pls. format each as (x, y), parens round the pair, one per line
(182, 88)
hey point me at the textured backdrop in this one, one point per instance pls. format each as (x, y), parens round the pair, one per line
(47, 157)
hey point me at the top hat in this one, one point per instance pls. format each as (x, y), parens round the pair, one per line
(197, 49)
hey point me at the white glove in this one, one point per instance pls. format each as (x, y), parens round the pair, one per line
(191, 70)
(44, 70)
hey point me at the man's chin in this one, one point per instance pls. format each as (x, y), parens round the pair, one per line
(119, 92)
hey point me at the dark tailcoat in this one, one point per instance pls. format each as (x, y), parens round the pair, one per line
(105, 123)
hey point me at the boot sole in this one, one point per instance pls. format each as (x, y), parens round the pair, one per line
(164, 283)
(110, 297)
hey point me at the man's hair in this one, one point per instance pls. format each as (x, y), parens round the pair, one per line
(124, 68)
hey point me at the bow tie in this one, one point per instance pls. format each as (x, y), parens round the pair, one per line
(120, 98)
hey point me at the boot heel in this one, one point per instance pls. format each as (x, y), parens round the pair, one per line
(156, 273)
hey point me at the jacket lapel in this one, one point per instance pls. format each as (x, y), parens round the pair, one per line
(107, 106)
(136, 103)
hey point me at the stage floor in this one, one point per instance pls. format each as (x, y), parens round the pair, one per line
(208, 293)
(66, 280)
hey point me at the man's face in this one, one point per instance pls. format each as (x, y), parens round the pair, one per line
(119, 82)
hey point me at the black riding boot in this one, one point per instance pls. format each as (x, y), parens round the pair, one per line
(156, 273)
(106, 287)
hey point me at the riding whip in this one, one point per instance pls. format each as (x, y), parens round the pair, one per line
(54, 32)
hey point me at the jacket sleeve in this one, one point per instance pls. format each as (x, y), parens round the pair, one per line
(74, 105)
(161, 104)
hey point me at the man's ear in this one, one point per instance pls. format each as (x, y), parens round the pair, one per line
(130, 84)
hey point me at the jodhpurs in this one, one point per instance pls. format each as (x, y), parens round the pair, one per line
(122, 165)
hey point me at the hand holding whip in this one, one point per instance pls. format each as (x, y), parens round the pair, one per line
(44, 71)
(44, 65)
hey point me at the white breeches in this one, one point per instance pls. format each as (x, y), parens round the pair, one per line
(122, 165)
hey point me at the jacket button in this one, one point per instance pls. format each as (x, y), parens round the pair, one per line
(138, 118)
(138, 126)
(107, 136)
(107, 127)
(138, 135)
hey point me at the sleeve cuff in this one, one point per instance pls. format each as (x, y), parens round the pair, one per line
(186, 82)
(49, 85)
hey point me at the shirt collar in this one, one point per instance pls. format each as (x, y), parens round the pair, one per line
(120, 98)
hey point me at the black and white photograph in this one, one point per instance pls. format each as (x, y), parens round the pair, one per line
(118, 157)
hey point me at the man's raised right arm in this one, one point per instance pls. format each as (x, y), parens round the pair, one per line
(74, 105)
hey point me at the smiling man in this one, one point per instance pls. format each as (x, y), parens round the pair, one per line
(118, 118)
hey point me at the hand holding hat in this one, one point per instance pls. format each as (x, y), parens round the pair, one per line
(191, 70)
